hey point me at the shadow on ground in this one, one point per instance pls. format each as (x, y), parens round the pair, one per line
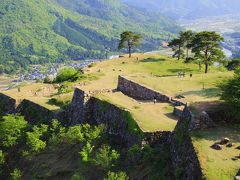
(208, 93)
(153, 60)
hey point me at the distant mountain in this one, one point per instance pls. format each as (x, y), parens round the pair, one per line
(189, 9)
(38, 31)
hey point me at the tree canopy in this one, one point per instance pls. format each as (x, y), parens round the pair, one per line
(206, 46)
(129, 40)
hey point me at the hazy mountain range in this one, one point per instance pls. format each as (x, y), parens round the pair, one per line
(189, 9)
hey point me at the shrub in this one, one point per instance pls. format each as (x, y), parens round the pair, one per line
(78, 176)
(134, 152)
(231, 95)
(234, 64)
(73, 135)
(12, 128)
(116, 176)
(16, 174)
(86, 152)
(64, 89)
(2, 157)
(67, 74)
(47, 80)
(34, 138)
(58, 102)
(105, 157)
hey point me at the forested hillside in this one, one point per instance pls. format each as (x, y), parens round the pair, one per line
(39, 31)
(189, 9)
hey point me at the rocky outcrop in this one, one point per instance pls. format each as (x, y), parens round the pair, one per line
(153, 138)
(201, 121)
(184, 156)
(7, 104)
(138, 91)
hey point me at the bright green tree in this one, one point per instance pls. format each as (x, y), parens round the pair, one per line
(129, 40)
(231, 95)
(117, 176)
(105, 157)
(187, 38)
(206, 46)
(177, 46)
(2, 157)
(11, 129)
(34, 141)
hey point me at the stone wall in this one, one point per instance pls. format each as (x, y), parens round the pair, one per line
(7, 104)
(35, 113)
(138, 91)
(184, 156)
(118, 122)
(76, 113)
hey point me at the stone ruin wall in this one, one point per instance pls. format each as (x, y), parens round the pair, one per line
(87, 109)
(33, 112)
(138, 91)
(94, 111)
(7, 104)
(183, 154)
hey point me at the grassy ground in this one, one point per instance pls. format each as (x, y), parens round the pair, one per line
(217, 165)
(37, 92)
(201, 87)
(150, 69)
(149, 116)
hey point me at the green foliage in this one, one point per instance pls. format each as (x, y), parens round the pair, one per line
(231, 95)
(134, 152)
(63, 89)
(105, 157)
(16, 174)
(11, 129)
(73, 135)
(129, 40)
(2, 157)
(86, 152)
(180, 132)
(76, 134)
(132, 125)
(78, 176)
(206, 46)
(58, 102)
(116, 176)
(177, 46)
(233, 64)
(34, 141)
(179, 172)
(37, 31)
(67, 74)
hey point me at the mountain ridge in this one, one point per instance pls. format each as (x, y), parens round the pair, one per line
(189, 9)
(38, 31)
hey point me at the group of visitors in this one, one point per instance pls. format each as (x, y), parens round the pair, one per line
(183, 74)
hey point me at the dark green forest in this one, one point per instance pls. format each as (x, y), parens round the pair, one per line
(39, 31)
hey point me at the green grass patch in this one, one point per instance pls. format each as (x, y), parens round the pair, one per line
(217, 165)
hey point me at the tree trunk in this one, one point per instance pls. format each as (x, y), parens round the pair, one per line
(187, 53)
(179, 52)
(206, 68)
(199, 66)
(129, 52)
